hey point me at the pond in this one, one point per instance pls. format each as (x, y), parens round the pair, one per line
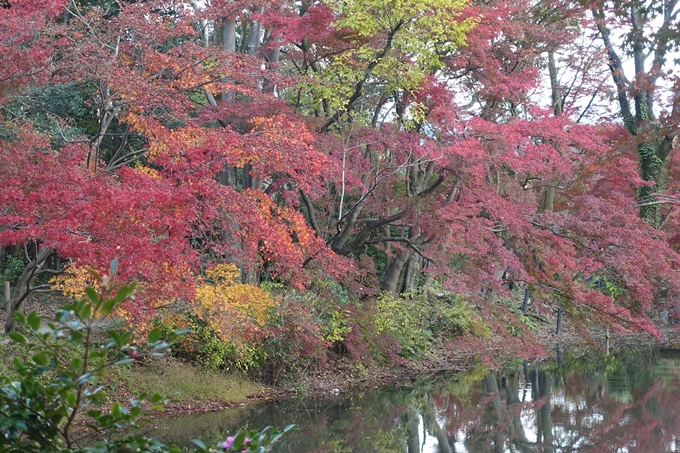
(629, 403)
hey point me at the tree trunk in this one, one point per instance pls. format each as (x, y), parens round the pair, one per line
(413, 267)
(429, 414)
(547, 200)
(496, 406)
(516, 428)
(228, 177)
(24, 285)
(393, 273)
(654, 144)
(253, 38)
(249, 182)
(651, 169)
(544, 416)
(229, 34)
(410, 419)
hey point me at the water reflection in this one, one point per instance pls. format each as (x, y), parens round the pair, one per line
(626, 404)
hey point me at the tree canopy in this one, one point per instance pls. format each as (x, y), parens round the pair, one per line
(383, 145)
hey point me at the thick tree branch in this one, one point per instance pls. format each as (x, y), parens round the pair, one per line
(363, 235)
(310, 210)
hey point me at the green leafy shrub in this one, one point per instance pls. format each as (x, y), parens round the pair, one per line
(60, 382)
(204, 346)
(405, 319)
(11, 268)
(415, 321)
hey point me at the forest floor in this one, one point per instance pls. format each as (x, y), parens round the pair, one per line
(194, 391)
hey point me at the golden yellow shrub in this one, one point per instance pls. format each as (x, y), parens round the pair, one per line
(229, 306)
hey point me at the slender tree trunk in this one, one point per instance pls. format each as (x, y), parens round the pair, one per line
(24, 282)
(547, 200)
(228, 176)
(249, 182)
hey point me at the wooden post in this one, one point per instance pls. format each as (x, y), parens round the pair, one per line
(8, 297)
(559, 321)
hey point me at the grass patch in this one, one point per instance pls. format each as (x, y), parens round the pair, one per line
(171, 378)
(184, 383)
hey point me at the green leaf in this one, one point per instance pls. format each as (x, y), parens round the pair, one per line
(95, 414)
(84, 379)
(16, 336)
(108, 307)
(156, 398)
(86, 311)
(33, 321)
(115, 336)
(124, 293)
(97, 354)
(198, 443)
(20, 425)
(155, 335)
(123, 361)
(161, 345)
(92, 294)
(75, 337)
(19, 364)
(40, 359)
(239, 440)
(19, 317)
(76, 363)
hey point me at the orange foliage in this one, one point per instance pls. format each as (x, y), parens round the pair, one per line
(74, 280)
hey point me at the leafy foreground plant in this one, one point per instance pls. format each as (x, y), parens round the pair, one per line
(58, 387)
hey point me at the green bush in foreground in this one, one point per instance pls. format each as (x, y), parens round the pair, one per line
(57, 389)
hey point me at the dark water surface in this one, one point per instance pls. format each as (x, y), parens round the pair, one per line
(629, 403)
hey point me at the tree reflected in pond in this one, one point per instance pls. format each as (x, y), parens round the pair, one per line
(611, 405)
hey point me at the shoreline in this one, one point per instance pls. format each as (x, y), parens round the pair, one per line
(343, 376)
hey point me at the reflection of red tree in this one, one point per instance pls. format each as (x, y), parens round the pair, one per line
(583, 416)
